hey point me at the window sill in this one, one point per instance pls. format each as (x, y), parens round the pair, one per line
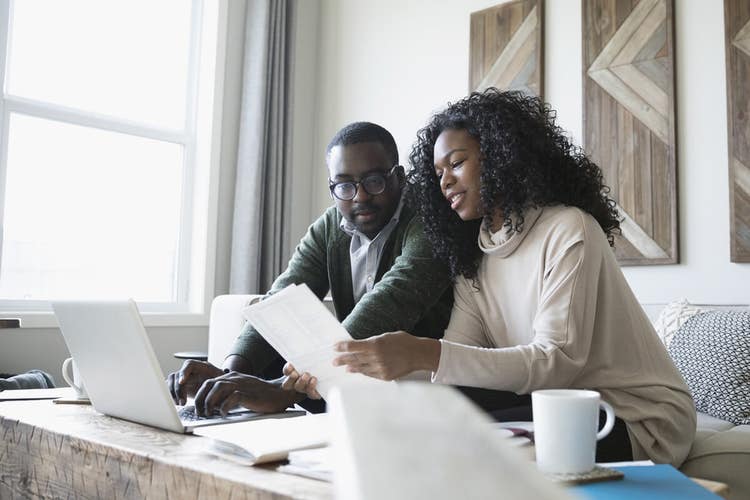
(150, 319)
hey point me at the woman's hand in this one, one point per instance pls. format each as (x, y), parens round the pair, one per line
(389, 356)
(304, 383)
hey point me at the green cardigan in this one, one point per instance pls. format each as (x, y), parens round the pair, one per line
(412, 290)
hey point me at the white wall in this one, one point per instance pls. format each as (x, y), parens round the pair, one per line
(394, 62)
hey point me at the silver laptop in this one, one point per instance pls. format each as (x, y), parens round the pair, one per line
(119, 368)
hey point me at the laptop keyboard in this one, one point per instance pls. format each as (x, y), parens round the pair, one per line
(188, 414)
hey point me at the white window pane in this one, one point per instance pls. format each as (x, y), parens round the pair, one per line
(89, 214)
(127, 59)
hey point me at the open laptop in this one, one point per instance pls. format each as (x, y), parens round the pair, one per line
(119, 368)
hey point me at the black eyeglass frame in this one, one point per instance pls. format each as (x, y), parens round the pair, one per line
(386, 176)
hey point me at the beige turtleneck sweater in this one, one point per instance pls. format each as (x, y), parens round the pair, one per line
(550, 308)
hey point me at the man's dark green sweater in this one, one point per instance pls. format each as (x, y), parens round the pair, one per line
(412, 290)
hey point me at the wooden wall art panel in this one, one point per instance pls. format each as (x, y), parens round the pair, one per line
(506, 47)
(737, 31)
(629, 120)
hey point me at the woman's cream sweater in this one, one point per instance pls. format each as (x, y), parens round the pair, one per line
(550, 308)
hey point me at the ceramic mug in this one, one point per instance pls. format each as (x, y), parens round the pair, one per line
(565, 429)
(73, 378)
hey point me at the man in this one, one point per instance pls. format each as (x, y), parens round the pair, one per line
(369, 251)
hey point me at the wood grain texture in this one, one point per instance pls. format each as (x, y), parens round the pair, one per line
(506, 47)
(629, 120)
(70, 451)
(737, 39)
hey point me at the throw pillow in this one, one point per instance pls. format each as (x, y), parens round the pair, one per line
(672, 317)
(712, 352)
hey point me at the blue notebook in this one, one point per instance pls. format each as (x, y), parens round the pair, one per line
(646, 482)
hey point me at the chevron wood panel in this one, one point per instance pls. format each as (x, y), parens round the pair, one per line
(506, 44)
(629, 120)
(737, 31)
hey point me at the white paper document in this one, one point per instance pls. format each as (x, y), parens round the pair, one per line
(297, 324)
(315, 463)
(437, 445)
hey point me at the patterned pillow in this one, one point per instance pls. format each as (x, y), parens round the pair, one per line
(712, 351)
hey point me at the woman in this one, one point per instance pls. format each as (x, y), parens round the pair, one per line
(524, 221)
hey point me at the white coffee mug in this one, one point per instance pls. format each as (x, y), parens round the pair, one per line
(565, 429)
(73, 378)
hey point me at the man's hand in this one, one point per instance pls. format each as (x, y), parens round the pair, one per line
(389, 356)
(234, 389)
(185, 383)
(304, 383)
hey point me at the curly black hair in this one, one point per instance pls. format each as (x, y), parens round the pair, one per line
(526, 161)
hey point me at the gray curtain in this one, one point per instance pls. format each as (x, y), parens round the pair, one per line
(260, 236)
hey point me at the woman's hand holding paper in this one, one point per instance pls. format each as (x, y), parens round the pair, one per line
(389, 356)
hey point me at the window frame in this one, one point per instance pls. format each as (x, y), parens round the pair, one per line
(201, 139)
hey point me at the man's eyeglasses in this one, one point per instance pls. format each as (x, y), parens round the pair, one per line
(373, 184)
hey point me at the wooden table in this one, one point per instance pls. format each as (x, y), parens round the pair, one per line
(720, 489)
(60, 451)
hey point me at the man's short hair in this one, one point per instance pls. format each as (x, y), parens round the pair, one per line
(359, 132)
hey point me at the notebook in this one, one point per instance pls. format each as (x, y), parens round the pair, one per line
(30, 394)
(119, 369)
(270, 440)
(646, 482)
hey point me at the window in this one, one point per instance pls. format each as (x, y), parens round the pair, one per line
(105, 140)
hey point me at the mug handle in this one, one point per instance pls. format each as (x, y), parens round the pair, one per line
(609, 424)
(67, 373)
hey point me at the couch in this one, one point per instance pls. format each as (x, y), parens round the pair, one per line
(720, 452)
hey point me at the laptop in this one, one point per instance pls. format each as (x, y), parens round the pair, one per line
(120, 371)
